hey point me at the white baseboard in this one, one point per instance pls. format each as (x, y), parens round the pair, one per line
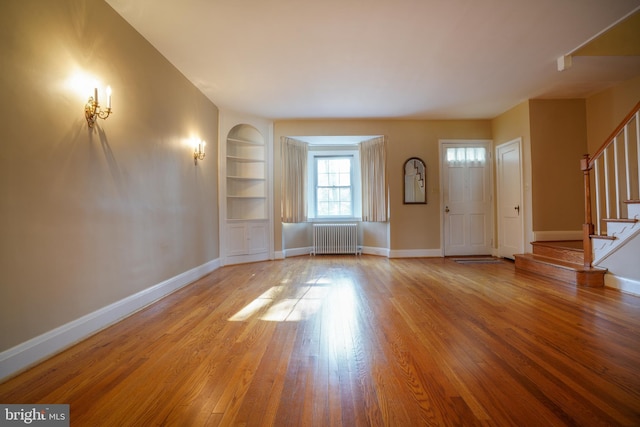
(297, 252)
(30, 352)
(549, 236)
(364, 250)
(243, 259)
(370, 250)
(623, 284)
(415, 253)
(278, 255)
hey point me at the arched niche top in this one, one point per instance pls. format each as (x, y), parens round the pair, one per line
(245, 132)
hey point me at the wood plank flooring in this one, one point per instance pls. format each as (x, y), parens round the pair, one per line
(356, 341)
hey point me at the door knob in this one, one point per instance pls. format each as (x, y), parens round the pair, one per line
(446, 209)
(517, 208)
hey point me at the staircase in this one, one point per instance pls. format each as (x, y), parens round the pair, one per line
(618, 232)
(561, 260)
(616, 203)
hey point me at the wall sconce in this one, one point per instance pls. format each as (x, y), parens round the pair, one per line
(92, 108)
(198, 152)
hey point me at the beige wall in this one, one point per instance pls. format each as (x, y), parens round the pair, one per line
(555, 134)
(89, 217)
(412, 227)
(511, 125)
(558, 142)
(606, 109)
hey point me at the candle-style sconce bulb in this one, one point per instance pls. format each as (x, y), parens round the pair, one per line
(198, 152)
(92, 110)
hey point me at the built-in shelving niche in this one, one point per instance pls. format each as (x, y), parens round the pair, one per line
(246, 174)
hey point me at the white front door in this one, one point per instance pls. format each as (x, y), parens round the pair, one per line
(466, 189)
(510, 209)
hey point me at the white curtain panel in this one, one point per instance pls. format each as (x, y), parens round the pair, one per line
(373, 167)
(294, 180)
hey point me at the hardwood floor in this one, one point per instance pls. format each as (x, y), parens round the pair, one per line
(354, 341)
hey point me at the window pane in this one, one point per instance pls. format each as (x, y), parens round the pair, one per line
(322, 194)
(323, 209)
(322, 166)
(345, 208)
(333, 195)
(332, 166)
(469, 155)
(334, 209)
(476, 154)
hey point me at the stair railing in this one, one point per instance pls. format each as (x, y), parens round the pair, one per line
(616, 179)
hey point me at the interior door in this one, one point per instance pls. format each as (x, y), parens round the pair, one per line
(510, 209)
(467, 200)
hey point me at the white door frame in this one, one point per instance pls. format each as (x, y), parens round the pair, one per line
(523, 205)
(490, 166)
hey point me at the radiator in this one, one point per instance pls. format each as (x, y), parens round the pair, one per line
(335, 239)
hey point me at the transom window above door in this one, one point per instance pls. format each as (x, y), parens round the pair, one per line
(460, 155)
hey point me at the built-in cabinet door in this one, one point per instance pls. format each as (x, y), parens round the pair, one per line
(257, 238)
(248, 238)
(237, 239)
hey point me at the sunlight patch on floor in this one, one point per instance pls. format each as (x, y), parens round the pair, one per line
(302, 303)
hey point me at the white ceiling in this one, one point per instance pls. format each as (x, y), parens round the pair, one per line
(437, 59)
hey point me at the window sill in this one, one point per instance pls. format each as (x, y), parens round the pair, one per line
(330, 220)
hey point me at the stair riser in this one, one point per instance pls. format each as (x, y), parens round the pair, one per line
(617, 228)
(545, 270)
(580, 278)
(559, 253)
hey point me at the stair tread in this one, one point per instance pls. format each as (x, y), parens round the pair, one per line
(625, 220)
(560, 263)
(632, 201)
(602, 236)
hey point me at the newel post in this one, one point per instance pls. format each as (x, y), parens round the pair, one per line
(587, 227)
